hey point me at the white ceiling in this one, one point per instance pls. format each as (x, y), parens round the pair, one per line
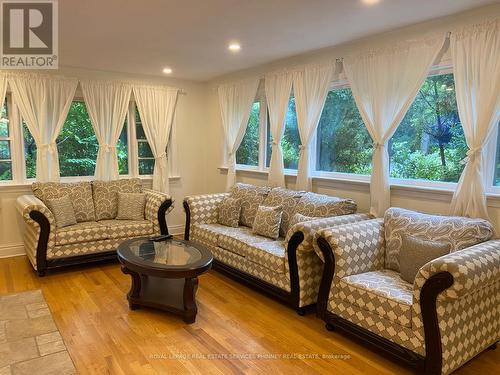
(191, 36)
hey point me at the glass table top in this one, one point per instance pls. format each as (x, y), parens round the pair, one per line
(165, 253)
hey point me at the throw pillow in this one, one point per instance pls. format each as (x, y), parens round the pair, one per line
(80, 193)
(267, 221)
(415, 252)
(287, 199)
(229, 212)
(63, 211)
(131, 206)
(251, 198)
(106, 195)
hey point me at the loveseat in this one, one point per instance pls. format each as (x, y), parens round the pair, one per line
(435, 319)
(97, 232)
(286, 267)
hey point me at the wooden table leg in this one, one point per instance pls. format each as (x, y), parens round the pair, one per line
(135, 288)
(190, 308)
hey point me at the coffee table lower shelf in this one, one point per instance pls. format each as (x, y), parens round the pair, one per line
(176, 296)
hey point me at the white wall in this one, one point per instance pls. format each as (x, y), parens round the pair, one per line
(190, 134)
(431, 201)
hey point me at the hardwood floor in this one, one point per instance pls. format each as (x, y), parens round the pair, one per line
(104, 337)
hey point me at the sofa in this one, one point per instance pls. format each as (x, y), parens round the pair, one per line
(445, 317)
(97, 231)
(287, 267)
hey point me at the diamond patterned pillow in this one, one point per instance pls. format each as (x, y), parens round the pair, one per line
(106, 195)
(63, 211)
(131, 206)
(267, 221)
(229, 212)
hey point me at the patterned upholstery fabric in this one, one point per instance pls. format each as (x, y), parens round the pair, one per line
(468, 312)
(81, 232)
(131, 206)
(310, 270)
(287, 200)
(63, 211)
(154, 199)
(84, 248)
(320, 205)
(251, 198)
(381, 292)
(460, 232)
(80, 193)
(299, 218)
(280, 280)
(105, 195)
(267, 221)
(229, 212)
(203, 208)
(209, 233)
(128, 228)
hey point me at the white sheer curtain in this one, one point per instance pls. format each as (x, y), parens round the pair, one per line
(44, 102)
(107, 104)
(278, 88)
(475, 52)
(235, 101)
(157, 107)
(310, 87)
(3, 87)
(384, 84)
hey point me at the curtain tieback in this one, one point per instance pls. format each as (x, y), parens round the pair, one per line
(378, 145)
(108, 148)
(471, 155)
(302, 148)
(274, 143)
(50, 147)
(161, 156)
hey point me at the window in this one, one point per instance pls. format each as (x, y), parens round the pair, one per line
(290, 141)
(145, 155)
(5, 144)
(76, 144)
(248, 152)
(429, 144)
(343, 143)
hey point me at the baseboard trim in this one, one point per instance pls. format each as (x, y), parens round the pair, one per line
(12, 250)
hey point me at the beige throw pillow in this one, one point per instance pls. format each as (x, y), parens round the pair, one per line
(63, 211)
(105, 195)
(415, 252)
(229, 212)
(131, 206)
(267, 221)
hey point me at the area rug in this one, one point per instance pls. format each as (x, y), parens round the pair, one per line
(30, 342)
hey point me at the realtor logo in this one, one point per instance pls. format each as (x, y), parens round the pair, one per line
(29, 34)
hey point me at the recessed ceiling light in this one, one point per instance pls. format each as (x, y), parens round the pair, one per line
(167, 70)
(234, 47)
(370, 2)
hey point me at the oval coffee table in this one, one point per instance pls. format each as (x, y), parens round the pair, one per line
(164, 274)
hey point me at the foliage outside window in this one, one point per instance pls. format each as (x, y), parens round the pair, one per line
(5, 144)
(77, 146)
(429, 143)
(145, 155)
(291, 140)
(248, 152)
(343, 143)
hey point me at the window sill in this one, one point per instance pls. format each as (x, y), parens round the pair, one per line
(428, 190)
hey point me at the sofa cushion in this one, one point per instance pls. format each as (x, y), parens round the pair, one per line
(129, 228)
(131, 206)
(460, 232)
(267, 221)
(81, 232)
(229, 211)
(261, 250)
(62, 208)
(320, 205)
(288, 200)
(105, 195)
(382, 292)
(80, 193)
(251, 198)
(209, 233)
